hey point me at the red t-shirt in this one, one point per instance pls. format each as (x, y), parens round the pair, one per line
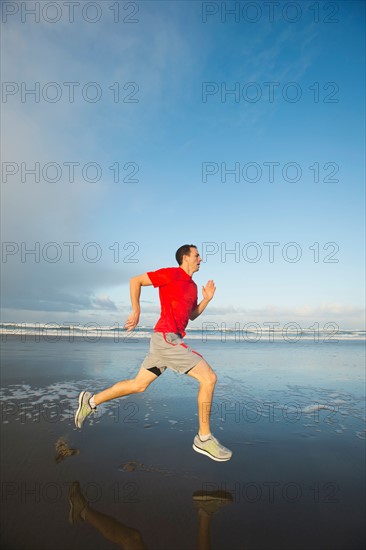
(178, 298)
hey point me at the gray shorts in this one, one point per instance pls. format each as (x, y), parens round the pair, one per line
(168, 350)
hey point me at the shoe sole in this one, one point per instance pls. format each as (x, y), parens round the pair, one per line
(213, 496)
(198, 450)
(81, 397)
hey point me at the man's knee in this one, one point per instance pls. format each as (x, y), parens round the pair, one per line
(209, 375)
(140, 389)
(204, 373)
(143, 380)
(138, 386)
(212, 378)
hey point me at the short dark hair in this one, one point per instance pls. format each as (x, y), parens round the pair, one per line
(183, 250)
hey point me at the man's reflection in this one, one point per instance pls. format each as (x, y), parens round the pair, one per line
(206, 503)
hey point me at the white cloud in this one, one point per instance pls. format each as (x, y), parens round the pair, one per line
(104, 302)
(155, 54)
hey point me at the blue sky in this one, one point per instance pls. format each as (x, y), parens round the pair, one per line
(168, 134)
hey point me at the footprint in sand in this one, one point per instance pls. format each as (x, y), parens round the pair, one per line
(63, 450)
(133, 465)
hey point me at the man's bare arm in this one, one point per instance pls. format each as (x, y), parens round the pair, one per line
(135, 290)
(208, 292)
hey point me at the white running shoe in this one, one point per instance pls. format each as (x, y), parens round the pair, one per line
(212, 448)
(84, 408)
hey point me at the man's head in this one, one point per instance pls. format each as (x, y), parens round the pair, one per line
(188, 258)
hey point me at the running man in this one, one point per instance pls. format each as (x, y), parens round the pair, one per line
(178, 299)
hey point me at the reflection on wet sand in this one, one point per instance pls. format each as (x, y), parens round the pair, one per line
(128, 538)
(206, 504)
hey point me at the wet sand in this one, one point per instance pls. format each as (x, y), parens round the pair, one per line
(296, 431)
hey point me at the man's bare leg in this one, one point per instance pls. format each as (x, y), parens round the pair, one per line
(204, 442)
(207, 379)
(126, 537)
(139, 384)
(208, 503)
(113, 530)
(204, 539)
(89, 402)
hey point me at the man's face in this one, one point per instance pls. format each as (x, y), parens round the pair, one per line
(193, 260)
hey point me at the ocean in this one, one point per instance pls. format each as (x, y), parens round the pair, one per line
(291, 407)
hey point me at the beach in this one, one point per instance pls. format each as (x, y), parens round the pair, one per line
(292, 413)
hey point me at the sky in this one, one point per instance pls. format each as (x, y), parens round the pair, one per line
(155, 124)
